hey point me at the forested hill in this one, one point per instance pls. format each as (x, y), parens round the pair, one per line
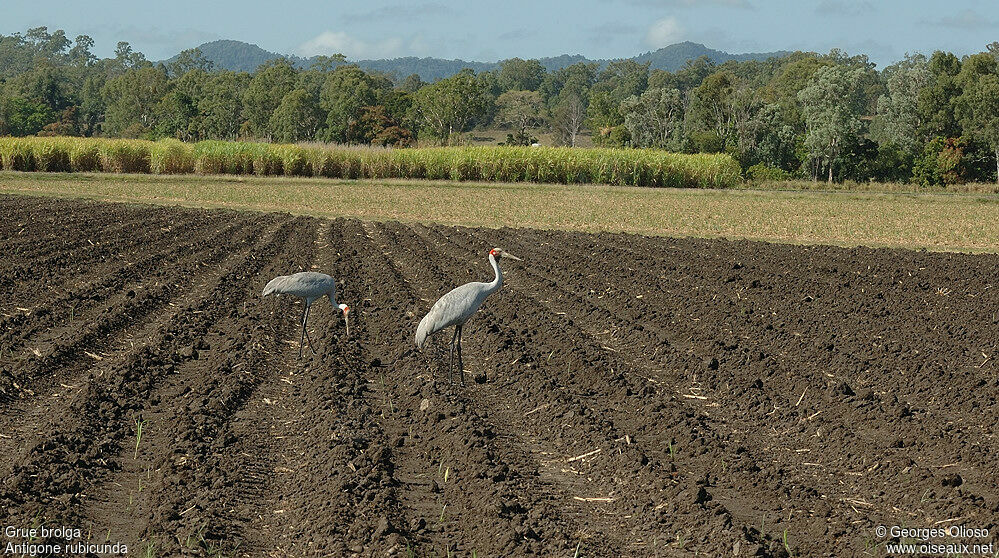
(245, 57)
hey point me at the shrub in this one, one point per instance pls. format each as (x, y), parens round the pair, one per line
(761, 171)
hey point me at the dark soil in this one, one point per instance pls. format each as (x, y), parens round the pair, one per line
(626, 396)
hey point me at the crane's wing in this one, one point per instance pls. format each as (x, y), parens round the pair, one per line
(304, 284)
(278, 284)
(453, 308)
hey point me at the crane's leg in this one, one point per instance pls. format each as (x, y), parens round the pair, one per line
(450, 364)
(461, 364)
(308, 310)
(301, 341)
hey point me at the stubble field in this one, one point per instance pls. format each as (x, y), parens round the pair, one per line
(627, 395)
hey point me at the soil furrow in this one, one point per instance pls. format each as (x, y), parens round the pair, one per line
(627, 395)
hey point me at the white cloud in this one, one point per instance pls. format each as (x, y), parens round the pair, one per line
(664, 32)
(745, 4)
(844, 8)
(403, 12)
(968, 19)
(333, 42)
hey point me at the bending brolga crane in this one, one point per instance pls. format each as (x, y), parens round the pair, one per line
(456, 307)
(310, 286)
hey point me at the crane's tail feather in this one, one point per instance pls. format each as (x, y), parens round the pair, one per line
(274, 285)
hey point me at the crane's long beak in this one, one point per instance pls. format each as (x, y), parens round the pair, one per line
(511, 256)
(346, 320)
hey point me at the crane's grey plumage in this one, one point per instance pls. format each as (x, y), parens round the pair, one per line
(310, 286)
(457, 306)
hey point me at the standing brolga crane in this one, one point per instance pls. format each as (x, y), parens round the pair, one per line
(310, 286)
(456, 307)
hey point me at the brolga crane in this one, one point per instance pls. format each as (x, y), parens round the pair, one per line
(310, 286)
(456, 307)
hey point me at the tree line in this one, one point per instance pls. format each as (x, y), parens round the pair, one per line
(932, 120)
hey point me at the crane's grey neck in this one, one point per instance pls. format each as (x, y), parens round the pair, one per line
(498, 280)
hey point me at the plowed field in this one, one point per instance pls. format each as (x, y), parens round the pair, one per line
(627, 395)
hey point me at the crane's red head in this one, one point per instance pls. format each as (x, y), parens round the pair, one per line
(501, 253)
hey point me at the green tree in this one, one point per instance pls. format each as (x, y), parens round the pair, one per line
(92, 106)
(80, 54)
(783, 89)
(521, 110)
(270, 83)
(221, 105)
(935, 105)
(297, 118)
(710, 105)
(188, 60)
(411, 84)
(622, 79)
(448, 107)
(568, 117)
(23, 117)
(832, 105)
(575, 80)
(518, 74)
(604, 116)
(176, 116)
(126, 59)
(347, 90)
(980, 112)
(654, 119)
(686, 78)
(897, 122)
(131, 100)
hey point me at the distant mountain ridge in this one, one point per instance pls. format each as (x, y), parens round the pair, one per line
(245, 57)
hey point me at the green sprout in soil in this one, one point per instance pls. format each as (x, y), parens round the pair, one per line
(139, 426)
(680, 541)
(787, 547)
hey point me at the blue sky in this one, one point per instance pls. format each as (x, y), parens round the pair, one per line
(487, 31)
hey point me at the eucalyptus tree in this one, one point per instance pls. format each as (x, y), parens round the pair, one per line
(297, 118)
(978, 106)
(346, 92)
(522, 110)
(131, 101)
(517, 74)
(832, 105)
(898, 119)
(270, 83)
(221, 105)
(446, 108)
(654, 118)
